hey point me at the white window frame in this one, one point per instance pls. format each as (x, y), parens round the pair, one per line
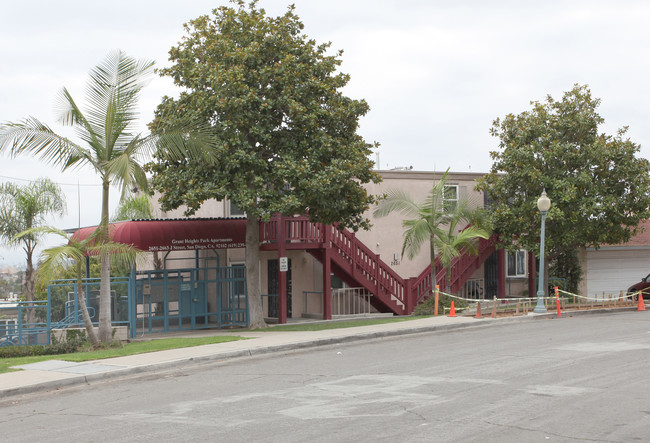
(520, 264)
(450, 202)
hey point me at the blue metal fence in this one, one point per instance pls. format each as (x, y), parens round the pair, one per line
(24, 323)
(190, 298)
(147, 301)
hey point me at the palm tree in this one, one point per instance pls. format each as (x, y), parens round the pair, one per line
(134, 207)
(26, 207)
(108, 144)
(137, 207)
(436, 222)
(73, 252)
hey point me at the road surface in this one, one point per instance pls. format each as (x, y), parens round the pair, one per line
(570, 379)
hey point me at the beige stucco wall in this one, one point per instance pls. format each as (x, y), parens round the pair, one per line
(209, 208)
(386, 236)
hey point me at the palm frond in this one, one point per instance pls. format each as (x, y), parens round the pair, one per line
(112, 94)
(397, 200)
(40, 230)
(134, 207)
(121, 254)
(36, 138)
(416, 234)
(55, 259)
(126, 173)
(187, 139)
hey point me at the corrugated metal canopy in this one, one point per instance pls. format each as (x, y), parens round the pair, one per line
(175, 234)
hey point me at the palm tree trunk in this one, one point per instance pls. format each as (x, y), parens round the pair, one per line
(157, 261)
(90, 331)
(434, 282)
(105, 320)
(30, 316)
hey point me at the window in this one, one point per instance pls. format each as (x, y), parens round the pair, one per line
(450, 197)
(516, 263)
(233, 210)
(239, 279)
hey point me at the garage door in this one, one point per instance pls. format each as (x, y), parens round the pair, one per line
(611, 271)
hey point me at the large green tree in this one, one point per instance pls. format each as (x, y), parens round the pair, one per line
(288, 139)
(448, 230)
(599, 187)
(108, 143)
(25, 207)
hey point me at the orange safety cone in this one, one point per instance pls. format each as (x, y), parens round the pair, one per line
(641, 303)
(478, 310)
(557, 301)
(452, 311)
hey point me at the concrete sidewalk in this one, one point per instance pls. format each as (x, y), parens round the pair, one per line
(55, 374)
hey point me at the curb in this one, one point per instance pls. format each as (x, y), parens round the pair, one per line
(54, 385)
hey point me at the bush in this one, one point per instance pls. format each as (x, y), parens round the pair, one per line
(444, 301)
(72, 344)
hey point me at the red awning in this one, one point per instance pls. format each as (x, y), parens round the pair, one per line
(175, 235)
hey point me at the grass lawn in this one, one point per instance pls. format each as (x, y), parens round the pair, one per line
(173, 343)
(127, 349)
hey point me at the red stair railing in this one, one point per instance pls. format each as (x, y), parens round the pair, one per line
(364, 266)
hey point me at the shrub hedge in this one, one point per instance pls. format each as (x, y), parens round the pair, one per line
(73, 343)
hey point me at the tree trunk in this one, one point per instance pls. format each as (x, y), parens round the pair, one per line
(90, 331)
(30, 315)
(253, 273)
(433, 267)
(105, 320)
(157, 261)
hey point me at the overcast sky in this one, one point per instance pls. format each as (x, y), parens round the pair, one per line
(435, 73)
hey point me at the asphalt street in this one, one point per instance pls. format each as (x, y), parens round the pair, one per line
(577, 378)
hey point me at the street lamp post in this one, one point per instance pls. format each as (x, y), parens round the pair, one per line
(543, 204)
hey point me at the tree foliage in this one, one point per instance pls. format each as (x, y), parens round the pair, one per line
(134, 207)
(287, 134)
(599, 188)
(26, 207)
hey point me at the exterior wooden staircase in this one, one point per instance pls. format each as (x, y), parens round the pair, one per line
(354, 263)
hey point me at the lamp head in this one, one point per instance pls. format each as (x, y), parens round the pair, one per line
(543, 202)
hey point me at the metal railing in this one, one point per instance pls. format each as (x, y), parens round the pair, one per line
(474, 288)
(25, 323)
(351, 301)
